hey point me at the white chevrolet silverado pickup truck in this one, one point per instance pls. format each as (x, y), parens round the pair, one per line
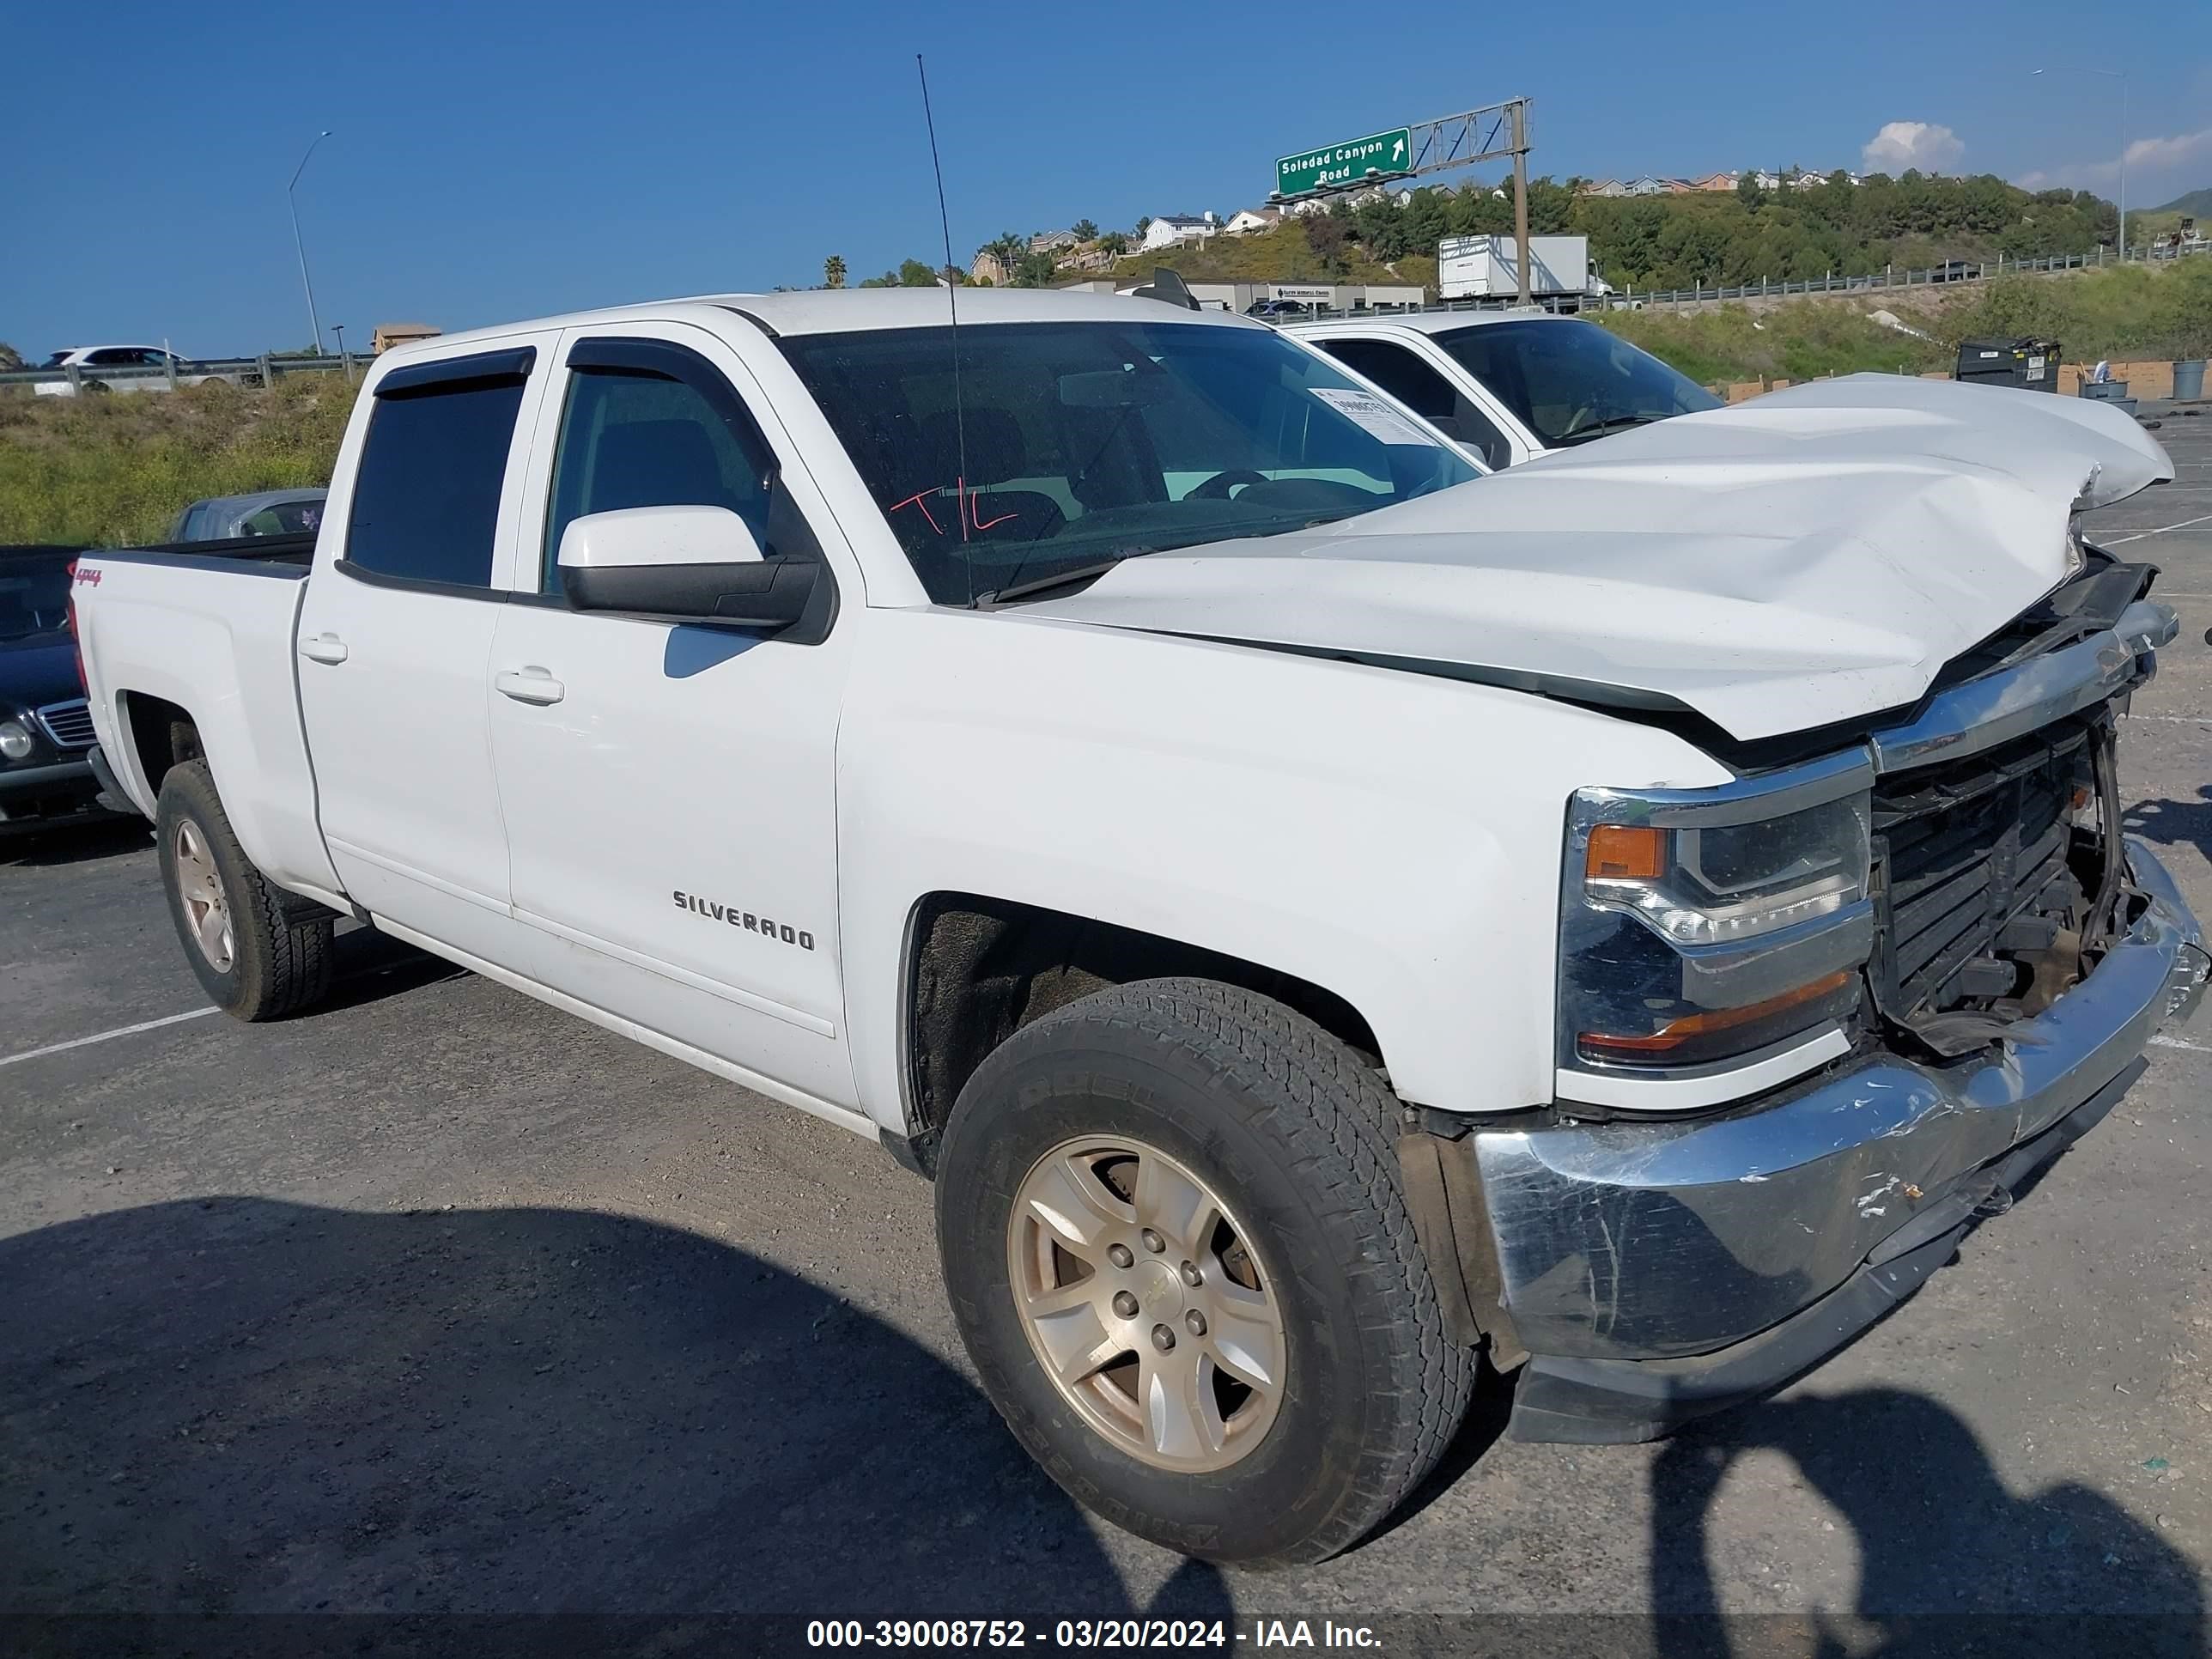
(1328, 921)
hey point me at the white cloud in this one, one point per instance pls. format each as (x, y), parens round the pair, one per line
(1922, 144)
(2157, 168)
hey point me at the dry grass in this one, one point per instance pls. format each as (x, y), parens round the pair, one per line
(114, 470)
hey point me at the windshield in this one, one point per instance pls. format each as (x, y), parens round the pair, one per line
(34, 597)
(1571, 381)
(1090, 443)
(61, 356)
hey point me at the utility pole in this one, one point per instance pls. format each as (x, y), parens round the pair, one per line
(314, 323)
(1520, 190)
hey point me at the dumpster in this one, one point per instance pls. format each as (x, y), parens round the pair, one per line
(2029, 363)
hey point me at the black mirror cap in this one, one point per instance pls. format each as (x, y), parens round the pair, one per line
(795, 597)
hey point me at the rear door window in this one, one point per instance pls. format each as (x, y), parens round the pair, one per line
(426, 494)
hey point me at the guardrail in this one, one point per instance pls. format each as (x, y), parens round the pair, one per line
(134, 377)
(1956, 270)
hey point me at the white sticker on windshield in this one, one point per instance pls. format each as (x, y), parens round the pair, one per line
(1372, 415)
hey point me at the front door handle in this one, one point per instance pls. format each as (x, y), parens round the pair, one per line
(324, 647)
(531, 685)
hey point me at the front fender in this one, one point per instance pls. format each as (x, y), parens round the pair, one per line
(1391, 837)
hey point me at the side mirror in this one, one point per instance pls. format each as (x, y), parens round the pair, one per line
(690, 562)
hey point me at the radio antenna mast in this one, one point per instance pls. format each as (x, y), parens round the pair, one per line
(952, 300)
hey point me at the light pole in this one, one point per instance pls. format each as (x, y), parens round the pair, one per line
(314, 323)
(2121, 76)
(339, 329)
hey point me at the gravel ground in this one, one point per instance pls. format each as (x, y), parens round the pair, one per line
(439, 1303)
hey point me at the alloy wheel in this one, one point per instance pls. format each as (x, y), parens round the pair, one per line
(1146, 1303)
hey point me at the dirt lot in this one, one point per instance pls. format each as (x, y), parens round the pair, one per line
(439, 1302)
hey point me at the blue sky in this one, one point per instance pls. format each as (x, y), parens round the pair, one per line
(491, 162)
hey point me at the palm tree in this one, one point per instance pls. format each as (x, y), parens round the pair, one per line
(833, 271)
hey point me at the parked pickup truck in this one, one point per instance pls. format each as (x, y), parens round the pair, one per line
(1325, 920)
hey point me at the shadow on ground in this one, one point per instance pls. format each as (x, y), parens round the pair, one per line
(368, 966)
(76, 844)
(236, 1406)
(2173, 822)
(1950, 1561)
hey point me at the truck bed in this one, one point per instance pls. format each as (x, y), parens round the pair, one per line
(209, 629)
(282, 555)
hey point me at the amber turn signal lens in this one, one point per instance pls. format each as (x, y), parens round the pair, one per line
(1676, 1032)
(1619, 852)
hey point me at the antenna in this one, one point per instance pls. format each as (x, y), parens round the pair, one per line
(952, 299)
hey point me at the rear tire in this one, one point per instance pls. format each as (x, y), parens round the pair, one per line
(259, 951)
(1289, 1136)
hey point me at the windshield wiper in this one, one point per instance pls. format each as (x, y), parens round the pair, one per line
(1599, 428)
(1084, 573)
(1081, 573)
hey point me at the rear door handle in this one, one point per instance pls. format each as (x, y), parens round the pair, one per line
(324, 647)
(531, 685)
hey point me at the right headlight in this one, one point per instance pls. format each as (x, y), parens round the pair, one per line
(1731, 881)
(15, 740)
(1703, 927)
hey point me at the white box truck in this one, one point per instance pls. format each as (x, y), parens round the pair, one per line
(1489, 267)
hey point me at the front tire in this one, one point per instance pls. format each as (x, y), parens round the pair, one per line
(259, 951)
(1177, 1250)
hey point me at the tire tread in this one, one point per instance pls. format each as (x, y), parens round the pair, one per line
(284, 944)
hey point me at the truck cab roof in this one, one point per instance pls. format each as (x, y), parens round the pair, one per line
(828, 311)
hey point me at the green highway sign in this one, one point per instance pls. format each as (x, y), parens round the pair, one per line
(1332, 164)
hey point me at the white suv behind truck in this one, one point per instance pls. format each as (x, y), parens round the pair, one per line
(1327, 922)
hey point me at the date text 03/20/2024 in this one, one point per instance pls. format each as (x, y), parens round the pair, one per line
(1085, 1633)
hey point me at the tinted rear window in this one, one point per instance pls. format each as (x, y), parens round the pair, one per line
(426, 499)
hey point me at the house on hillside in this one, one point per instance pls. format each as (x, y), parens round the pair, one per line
(1601, 187)
(1714, 184)
(1084, 256)
(1052, 242)
(988, 267)
(1648, 185)
(1171, 230)
(1252, 220)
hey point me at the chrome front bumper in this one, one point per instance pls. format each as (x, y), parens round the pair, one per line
(1623, 1243)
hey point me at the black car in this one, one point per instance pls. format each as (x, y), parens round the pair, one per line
(1955, 270)
(46, 725)
(1278, 308)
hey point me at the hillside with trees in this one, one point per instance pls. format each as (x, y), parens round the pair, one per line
(1791, 235)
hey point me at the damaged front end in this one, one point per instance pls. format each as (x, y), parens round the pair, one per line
(2000, 865)
(2010, 953)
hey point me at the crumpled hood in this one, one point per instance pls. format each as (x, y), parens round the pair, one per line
(1813, 555)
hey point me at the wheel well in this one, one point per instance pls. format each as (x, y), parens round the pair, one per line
(162, 735)
(978, 970)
